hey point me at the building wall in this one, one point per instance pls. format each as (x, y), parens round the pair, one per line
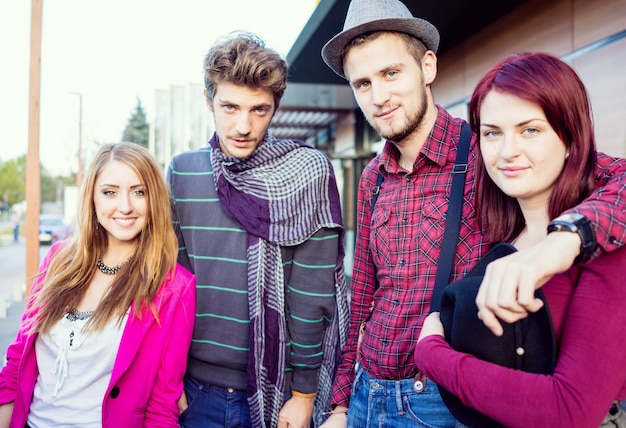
(589, 34)
(181, 122)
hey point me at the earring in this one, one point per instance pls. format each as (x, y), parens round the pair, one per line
(566, 155)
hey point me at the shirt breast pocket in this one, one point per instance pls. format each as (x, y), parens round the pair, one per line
(434, 213)
(381, 234)
(434, 217)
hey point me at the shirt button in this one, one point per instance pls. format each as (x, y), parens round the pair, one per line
(385, 343)
(402, 262)
(396, 302)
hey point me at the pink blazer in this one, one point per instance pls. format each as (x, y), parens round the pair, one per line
(147, 378)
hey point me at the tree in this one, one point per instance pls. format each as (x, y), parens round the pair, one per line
(52, 187)
(12, 180)
(137, 129)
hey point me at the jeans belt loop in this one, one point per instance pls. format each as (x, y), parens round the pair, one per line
(399, 397)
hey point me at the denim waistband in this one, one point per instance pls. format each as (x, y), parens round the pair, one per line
(392, 387)
(210, 387)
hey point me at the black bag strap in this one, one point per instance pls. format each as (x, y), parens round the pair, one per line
(376, 191)
(453, 219)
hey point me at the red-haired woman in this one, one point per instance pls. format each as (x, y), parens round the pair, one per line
(533, 118)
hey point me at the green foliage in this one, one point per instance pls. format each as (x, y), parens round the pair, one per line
(137, 129)
(13, 182)
(52, 187)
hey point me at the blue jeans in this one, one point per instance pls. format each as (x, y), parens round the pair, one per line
(214, 407)
(395, 404)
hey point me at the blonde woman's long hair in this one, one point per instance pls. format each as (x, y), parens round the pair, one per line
(73, 267)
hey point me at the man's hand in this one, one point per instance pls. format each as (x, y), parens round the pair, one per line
(432, 325)
(508, 288)
(297, 412)
(338, 419)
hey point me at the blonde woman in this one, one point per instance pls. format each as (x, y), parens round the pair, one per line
(104, 339)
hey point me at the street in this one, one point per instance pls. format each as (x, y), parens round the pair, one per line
(12, 283)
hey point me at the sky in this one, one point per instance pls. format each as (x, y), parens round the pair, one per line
(109, 54)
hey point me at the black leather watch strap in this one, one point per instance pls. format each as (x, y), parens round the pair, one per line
(577, 223)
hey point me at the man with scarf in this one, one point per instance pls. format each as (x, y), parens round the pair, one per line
(259, 223)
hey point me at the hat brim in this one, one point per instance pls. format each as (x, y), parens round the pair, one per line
(332, 52)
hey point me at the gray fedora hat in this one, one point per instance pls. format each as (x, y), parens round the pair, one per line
(366, 16)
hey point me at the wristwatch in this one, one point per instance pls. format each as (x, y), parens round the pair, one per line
(577, 223)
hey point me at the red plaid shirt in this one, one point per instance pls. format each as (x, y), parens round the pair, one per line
(406, 229)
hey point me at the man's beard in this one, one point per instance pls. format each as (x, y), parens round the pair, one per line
(412, 123)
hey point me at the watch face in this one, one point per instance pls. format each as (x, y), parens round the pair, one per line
(571, 217)
(579, 224)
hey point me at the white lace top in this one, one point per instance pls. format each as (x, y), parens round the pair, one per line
(74, 371)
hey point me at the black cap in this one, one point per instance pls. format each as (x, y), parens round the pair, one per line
(528, 345)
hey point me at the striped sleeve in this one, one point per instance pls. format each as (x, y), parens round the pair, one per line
(310, 304)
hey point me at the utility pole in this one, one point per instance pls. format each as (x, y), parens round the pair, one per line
(33, 173)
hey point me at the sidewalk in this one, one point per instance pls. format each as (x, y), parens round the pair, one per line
(6, 231)
(9, 326)
(12, 284)
(11, 291)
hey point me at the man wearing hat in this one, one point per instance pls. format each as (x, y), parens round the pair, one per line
(389, 59)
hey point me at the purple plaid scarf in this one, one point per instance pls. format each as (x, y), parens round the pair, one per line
(284, 193)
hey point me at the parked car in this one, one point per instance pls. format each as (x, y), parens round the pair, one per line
(52, 229)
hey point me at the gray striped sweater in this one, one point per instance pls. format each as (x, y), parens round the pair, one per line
(213, 247)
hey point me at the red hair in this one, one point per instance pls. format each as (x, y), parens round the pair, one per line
(553, 85)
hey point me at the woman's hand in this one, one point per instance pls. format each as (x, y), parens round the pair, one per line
(432, 325)
(507, 291)
(6, 411)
